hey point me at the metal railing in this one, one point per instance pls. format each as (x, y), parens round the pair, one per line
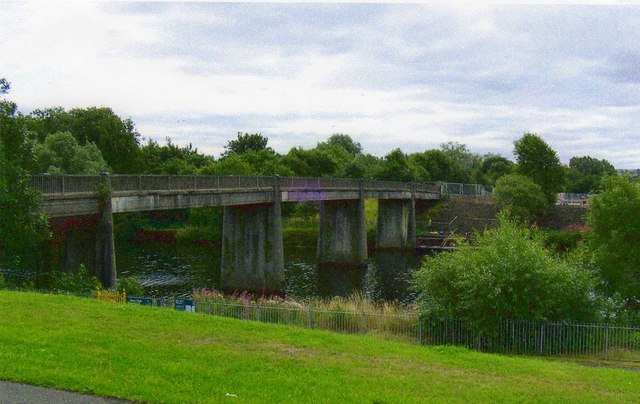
(565, 198)
(64, 184)
(614, 342)
(454, 188)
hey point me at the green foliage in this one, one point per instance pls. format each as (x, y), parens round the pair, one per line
(230, 165)
(130, 286)
(394, 167)
(523, 199)
(60, 153)
(585, 173)
(318, 162)
(436, 165)
(538, 161)
(116, 138)
(344, 142)
(77, 282)
(246, 142)
(171, 159)
(22, 226)
(615, 239)
(506, 274)
(563, 241)
(493, 167)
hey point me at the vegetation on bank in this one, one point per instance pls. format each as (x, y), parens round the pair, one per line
(155, 355)
(88, 140)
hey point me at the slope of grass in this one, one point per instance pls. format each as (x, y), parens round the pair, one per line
(159, 355)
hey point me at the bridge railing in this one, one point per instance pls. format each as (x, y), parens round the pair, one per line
(61, 184)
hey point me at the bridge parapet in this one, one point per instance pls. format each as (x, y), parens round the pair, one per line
(63, 184)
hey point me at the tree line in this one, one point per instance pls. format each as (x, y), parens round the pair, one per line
(508, 273)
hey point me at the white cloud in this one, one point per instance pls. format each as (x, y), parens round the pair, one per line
(389, 75)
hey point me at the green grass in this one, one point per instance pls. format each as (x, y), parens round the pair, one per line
(159, 355)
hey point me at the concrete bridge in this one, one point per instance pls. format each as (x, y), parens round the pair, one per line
(252, 250)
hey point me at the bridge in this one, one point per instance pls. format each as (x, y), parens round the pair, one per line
(252, 250)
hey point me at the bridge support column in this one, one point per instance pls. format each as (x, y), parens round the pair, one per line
(105, 258)
(252, 252)
(342, 236)
(396, 224)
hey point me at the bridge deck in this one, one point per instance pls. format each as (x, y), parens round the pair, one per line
(76, 195)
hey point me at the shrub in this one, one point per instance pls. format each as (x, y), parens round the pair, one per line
(130, 286)
(506, 274)
(79, 282)
(521, 196)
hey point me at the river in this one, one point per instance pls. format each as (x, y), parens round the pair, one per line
(169, 269)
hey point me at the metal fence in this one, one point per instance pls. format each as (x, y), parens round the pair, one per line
(614, 342)
(453, 188)
(63, 184)
(565, 198)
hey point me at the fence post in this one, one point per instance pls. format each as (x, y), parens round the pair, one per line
(62, 177)
(364, 322)
(309, 318)
(606, 342)
(541, 347)
(420, 333)
(257, 312)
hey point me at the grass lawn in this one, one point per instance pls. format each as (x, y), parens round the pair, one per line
(159, 355)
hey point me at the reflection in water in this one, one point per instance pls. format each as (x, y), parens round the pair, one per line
(165, 269)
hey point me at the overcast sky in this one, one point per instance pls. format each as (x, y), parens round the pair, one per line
(389, 75)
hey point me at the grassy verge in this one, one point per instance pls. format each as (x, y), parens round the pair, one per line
(157, 355)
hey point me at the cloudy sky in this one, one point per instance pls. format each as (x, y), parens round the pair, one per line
(390, 75)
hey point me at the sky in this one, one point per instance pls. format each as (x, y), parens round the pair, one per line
(409, 76)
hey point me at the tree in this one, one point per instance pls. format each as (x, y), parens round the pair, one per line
(394, 167)
(344, 142)
(116, 138)
(22, 226)
(539, 162)
(506, 274)
(585, 173)
(463, 160)
(493, 167)
(523, 198)
(437, 165)
(615, 239)
(171, 158)
(60, 153)
(318, 162)
(246, 142)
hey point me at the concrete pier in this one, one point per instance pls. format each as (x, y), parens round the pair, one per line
(105, 247)
(252, 252)
(396, 228)
(342, 236)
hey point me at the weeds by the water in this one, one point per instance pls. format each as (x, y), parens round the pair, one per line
(356, 302)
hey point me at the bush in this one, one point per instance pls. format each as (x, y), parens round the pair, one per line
(615, 239)
(562, 241)
(79, 282)
(521, 196)
(130, 286)
(506, 274)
